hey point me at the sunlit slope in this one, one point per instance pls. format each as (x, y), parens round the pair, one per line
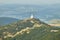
(29, 29)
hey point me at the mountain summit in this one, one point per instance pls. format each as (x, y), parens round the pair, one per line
(28, 29)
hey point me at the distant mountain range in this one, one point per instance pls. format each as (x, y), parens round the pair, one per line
(29, 29)
(7, 20)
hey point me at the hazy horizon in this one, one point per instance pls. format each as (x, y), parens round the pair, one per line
(34, 2)
(20, 9)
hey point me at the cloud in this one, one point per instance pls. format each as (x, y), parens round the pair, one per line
(12, 16)
(48, 16)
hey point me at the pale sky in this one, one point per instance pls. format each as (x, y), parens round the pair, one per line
(29, 2)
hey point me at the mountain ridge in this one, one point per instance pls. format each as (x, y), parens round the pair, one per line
(33, 28)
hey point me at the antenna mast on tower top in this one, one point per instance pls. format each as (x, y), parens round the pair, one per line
(32, 16)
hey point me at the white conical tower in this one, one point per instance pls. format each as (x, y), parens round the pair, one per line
(32, 16)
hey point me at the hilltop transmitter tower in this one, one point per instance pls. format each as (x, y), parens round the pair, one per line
(32, 16)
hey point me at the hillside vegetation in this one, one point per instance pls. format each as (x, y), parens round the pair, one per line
(29, 29)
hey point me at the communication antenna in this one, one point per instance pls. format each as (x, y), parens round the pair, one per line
(32, 16)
